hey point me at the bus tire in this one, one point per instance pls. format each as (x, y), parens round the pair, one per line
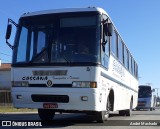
(122, 113)
(46, 114)
(129, 111)
(103, 115)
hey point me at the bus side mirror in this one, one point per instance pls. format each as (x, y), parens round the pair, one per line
(153, 90)
(108, 29)
(8, 32)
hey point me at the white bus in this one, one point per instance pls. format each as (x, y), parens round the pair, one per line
(72, 60)
(146, 98)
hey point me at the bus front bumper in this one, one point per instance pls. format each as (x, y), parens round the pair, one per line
(60, 99)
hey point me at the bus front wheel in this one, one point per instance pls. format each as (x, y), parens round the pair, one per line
(103, 115)
(46, 114)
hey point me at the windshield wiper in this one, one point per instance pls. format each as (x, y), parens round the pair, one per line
(38, 55)
(66, 59)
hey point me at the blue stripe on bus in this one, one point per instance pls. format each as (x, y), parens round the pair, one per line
(116, 81)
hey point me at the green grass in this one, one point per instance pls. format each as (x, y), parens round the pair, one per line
(4, 109)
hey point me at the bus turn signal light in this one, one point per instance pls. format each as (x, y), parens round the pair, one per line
(84, 84)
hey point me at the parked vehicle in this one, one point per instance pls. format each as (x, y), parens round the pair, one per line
(146, 98)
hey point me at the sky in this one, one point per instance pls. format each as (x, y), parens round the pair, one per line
(137, 21)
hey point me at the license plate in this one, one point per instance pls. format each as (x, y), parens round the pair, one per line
(50, 105)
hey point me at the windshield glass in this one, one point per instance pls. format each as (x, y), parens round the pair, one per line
(58, 39)
(144, 92)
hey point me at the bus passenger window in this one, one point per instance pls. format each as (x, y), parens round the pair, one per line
(105, 53)
(114, 44)
(125, 57)
(120, 50)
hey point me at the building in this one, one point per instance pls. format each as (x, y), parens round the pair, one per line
(5, 76)
(5, 84)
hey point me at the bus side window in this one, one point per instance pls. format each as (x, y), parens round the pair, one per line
(120, 50)
(114, 43)
(128, 60)
(130, 63)
(136, 71)
(106, 39)
(105, 52)
(125, 57)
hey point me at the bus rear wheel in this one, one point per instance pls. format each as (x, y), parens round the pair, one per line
(151, 109)
(127, 112)
(46, 114)
(103, 115)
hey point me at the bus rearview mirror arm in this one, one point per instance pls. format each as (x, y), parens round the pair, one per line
(8, 32)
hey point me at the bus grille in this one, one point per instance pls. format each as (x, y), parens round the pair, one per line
(54, 85)
(50, 98)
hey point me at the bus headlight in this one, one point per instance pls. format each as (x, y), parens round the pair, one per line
(20, 84)
(84, 84)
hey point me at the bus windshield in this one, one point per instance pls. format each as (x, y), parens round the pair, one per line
(58, 38)
(144, 92)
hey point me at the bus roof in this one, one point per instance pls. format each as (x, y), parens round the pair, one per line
(144, 86)
(65, 10)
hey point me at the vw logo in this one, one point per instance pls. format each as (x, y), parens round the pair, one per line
(49, 83)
